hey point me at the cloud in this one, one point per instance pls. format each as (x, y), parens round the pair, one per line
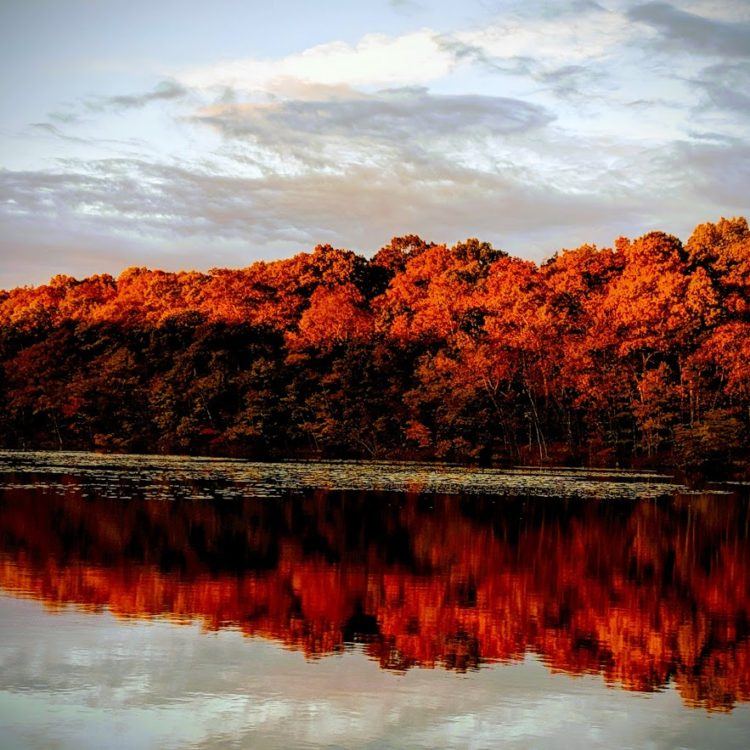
(377, 59)
(578, 50)
(409, 128)
(726, 86)
(694, 33)
(509, 44)
(92, 218)
(172, 201)
(66, 118)
(392, 116)
(50, 130)
(164, 91)
(136, 203)
(564, 35)
(406, 7)
(47, 128)
(717, 167)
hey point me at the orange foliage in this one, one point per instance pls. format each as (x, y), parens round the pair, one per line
(613, 355)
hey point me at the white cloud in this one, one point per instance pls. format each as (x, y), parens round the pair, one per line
(376, 60)
(426, 55)
(569, 38)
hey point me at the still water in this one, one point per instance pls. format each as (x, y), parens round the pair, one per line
(169, 602)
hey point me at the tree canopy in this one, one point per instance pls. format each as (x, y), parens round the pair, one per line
(638, 353)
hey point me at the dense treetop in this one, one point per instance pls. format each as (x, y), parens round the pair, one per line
(639, 352)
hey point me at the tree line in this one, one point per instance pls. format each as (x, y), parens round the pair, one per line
(637, 354)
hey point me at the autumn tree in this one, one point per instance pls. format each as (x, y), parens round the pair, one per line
(633, 354)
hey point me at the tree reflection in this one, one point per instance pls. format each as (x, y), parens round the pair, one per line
(639, 592)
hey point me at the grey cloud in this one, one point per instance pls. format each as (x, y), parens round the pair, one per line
(475, 54)
(407, 7)
(717, 166)
(542, 8)
(571, 80)
(695, 33)
(47, 128)
(179, 200)
(711, 137)
(726, 86)
(649, 104)
(146, 205)
(360, 208)
(465, 52)
(66, 118)
(51, 130)
(164, 91)
(392, 115)
(563, 73)
(565, 80)
(405, 126)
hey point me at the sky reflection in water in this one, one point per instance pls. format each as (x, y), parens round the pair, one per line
(618, 622)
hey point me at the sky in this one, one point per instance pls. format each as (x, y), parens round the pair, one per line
(185, 134)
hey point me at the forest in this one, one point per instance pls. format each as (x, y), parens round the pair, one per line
(634, 355)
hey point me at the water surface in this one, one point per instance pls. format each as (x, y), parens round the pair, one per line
(173, 602)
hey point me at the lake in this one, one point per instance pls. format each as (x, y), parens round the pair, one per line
(169, 602)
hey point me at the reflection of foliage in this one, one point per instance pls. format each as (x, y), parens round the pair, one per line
(640, 592)
(637, 353)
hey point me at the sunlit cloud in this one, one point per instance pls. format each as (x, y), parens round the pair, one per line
(377, 59)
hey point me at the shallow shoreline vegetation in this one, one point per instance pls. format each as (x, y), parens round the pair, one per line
(636, 355)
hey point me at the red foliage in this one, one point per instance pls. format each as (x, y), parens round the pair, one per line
(622, 355)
